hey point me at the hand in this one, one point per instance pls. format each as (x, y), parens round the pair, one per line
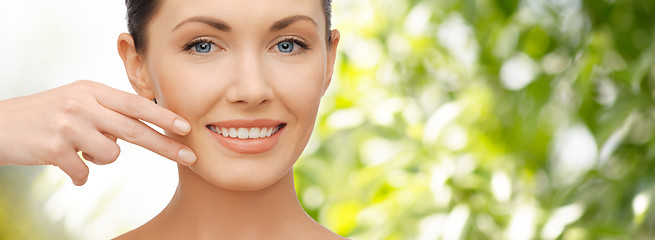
(50, 127)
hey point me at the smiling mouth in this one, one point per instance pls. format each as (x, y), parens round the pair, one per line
(246, 133)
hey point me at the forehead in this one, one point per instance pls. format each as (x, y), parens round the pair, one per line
(244, 13)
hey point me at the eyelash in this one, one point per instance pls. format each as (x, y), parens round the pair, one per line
(295, 40)
(193, 43)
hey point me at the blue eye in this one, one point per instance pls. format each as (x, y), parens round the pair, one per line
(203, 47)
(285, 46)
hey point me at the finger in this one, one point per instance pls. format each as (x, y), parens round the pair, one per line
(73, 166)
(101, 149)
(134, 131)
(91, 158)
(139, 107)
(111, 137)
(87, 157)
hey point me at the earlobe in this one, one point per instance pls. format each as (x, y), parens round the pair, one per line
(331, 55)
(134, 66)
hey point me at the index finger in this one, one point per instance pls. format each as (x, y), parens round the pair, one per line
(139, 107)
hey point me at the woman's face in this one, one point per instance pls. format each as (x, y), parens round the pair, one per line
(248, 75)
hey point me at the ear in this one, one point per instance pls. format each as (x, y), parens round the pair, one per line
(134, 66)
(331, 55)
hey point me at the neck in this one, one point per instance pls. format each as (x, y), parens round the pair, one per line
(210, 212)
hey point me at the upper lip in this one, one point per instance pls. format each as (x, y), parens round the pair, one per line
(247, 123)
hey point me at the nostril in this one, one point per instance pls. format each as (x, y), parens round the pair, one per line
(252, 102)
(251, 97)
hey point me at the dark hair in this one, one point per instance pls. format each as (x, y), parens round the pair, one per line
(140, 12)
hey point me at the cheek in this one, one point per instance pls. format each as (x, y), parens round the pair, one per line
(187, 89)
(300, 86)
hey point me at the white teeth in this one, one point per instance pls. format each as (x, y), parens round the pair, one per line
(262, 133)
(245, 133)
(254, 133)
(214, 129)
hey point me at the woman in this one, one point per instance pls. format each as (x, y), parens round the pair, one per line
(244, 80)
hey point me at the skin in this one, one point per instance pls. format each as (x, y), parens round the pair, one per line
(227, 194)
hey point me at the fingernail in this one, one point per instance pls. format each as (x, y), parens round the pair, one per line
(186, 156)
(181, 126)
(80, 183)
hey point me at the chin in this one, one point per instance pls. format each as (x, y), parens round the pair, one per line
(239, 179)
(242, 172)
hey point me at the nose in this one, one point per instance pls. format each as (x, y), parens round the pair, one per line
(249, 85)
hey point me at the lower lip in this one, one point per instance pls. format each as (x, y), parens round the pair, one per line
(250, 145)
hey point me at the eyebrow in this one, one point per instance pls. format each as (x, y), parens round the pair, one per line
(222, 26)
(285, 22)
(213, 22)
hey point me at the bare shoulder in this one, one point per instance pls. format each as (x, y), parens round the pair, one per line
(322, 233)
(145, 231)
(127, 236)
(328, 235)
(134, 234)
(339, 237)
(324, 236)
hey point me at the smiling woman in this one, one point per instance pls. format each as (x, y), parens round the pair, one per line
(237, 88)
(248, 76)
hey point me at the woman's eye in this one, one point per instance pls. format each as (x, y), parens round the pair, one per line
(200, 46)
(286, 46)
(203, 47)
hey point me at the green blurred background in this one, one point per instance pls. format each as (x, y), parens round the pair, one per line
(474, 119)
